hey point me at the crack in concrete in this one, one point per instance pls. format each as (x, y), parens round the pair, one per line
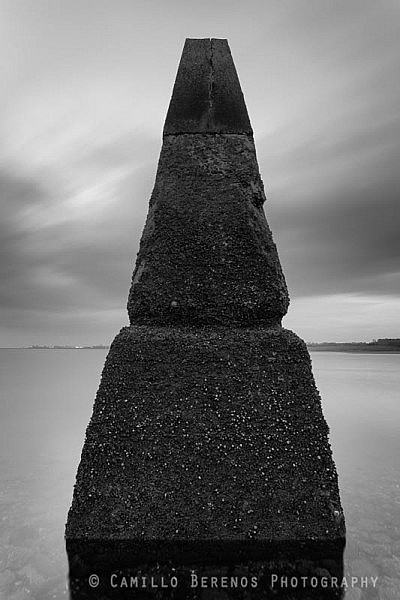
(211, 86)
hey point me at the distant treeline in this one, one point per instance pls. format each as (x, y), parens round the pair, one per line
(380, 345)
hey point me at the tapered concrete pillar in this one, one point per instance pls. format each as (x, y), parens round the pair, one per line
(207, 442)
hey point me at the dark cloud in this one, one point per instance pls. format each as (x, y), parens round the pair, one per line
(348, 244)
(81, 121)
(17, 194)
(337, 215)
(69, 268)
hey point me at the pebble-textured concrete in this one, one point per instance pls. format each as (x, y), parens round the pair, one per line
(207, 255)
(207, 427)
(200, 434)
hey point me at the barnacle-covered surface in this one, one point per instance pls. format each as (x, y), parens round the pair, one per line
(213, 433)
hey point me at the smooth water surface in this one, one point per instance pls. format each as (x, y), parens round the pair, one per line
(46, 402)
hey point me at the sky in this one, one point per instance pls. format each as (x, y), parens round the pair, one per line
(84, 90)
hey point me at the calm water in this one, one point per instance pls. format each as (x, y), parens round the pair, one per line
(46, 402)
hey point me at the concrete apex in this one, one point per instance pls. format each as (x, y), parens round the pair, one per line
(207, 97)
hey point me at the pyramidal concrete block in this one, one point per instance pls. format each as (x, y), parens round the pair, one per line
(207, 442)
(207, 97)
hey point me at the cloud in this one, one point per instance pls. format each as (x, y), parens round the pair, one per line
(343, 317)
(85, 89)
(69, 245)
(348, 242)
(334, 201)
(328, 150)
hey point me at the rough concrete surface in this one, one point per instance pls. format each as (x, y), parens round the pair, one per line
(207, 255)
(200, 434)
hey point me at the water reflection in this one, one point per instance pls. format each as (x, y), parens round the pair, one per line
(46, 405)
(114, 570)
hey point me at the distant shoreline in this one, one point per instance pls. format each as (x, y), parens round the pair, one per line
(353, 348)
(386, 345)
(383, 345)
(55, 348)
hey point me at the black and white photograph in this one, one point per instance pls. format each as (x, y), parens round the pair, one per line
(200, 300)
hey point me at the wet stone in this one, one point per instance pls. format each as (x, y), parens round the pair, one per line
(7, 579)
(32, 578)
(354, 594)
(389, 588)
(390, 567)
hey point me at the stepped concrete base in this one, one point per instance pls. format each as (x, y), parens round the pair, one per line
(206, 434)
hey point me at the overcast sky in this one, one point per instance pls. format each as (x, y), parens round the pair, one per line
(85, 86)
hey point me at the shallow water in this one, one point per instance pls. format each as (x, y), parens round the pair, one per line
(46, 402)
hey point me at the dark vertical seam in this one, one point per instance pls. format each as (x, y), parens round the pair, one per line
(211, 86)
